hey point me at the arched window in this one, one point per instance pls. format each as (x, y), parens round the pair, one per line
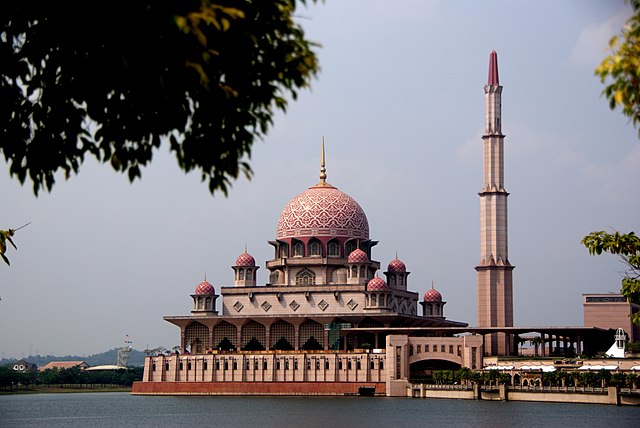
(315, 249)
(401, 280)
(392, 279)
(374, 300)
(199, 302)
(306, 277)
(284, 250)
(362, 274)
(354, 272)
(349, 247)
(241, 274)
(333, 249)
(249, 275)
(298, 249)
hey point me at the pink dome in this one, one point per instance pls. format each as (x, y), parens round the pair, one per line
(432, 296)
(358, 256)
(322, 210)
(245, 259)
(204, 287)
(377, 284)
(396, 266)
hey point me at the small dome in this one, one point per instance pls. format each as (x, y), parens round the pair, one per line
(205, 287)
(396, 266)
(358, 256)
(377, 284)
(245, 259)
(432, 296)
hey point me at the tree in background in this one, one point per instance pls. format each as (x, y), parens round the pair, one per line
(622, 68)
(116, 79)
(627, 247)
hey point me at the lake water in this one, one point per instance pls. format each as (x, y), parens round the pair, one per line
(122, 409)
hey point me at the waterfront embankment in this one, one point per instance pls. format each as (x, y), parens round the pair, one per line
(546, 394)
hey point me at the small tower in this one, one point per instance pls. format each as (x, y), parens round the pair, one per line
(378, 294)
(245, 270)
(357, 263)
(397, 274)
(204, 299)
(432, 304)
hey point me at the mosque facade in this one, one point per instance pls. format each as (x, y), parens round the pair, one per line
(326, 321)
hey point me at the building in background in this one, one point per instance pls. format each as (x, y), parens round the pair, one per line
(610, 311)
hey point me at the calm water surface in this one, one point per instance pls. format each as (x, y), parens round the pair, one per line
(123, 409)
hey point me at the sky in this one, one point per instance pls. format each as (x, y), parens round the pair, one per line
(400, 104)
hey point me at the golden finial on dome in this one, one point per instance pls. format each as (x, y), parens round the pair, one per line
(323, 170)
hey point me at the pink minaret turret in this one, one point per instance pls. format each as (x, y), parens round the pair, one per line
(495, 295)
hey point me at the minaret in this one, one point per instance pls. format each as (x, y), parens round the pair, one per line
(495, 295)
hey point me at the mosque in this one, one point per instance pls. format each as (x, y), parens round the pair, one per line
(326, 322)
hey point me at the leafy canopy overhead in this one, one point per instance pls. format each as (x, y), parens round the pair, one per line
(116, 79)
(627, 246)
(621, 69)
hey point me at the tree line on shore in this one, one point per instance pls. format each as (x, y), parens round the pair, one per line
(10, 378)
(602, 378)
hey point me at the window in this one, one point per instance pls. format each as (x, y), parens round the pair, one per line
(264, 365)
(235, 365)
(181, 366)
(371, 365)
(381, 365)
(326, 365)
(189, 365)
(284, 250)
(306, 277)
(392, 280)
(333, 249)
(435, 348)
(249, 275)
(241, 274)
(226, 365)
(217, 365)
(348, 364)
(401, 280)
(295, 364)
(349, 247)
(315, 249)
(205, 366)
(410, 350)
(153, 367)
(339, 364)
(298, 249)
(451, 349)
(317, 364)
(166, 366)
(418, 349)
(354, 272)
(442, 348)
(358, 365)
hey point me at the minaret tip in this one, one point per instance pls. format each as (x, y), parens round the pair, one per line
(493, 69)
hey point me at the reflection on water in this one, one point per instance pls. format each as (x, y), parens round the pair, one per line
(122, 409)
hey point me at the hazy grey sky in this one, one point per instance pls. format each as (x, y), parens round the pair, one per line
(400, 103)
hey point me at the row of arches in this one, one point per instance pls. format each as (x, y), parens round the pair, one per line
(315, 247)
(254, 336)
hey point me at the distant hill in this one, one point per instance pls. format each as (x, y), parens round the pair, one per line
(136, 358)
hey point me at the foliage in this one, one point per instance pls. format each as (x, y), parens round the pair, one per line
(117, 79)
(627, 247)
(622, 67)
(70, 376)
(5, 235)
